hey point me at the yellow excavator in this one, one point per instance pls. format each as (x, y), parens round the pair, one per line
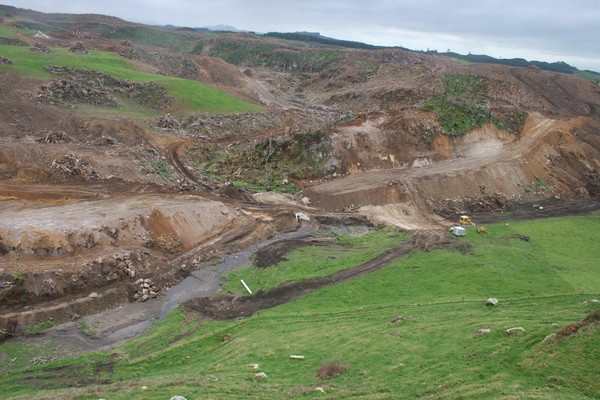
(465, 220)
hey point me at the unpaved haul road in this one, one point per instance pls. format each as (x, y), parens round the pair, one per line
(507, 153)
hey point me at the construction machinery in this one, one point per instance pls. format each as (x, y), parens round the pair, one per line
(465, 220)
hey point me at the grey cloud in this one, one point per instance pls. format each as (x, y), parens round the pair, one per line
(560, 28)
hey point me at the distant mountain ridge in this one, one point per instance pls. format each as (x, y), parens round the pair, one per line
(316, 37)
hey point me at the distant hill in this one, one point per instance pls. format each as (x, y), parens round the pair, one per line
(315, 37)
(558, 66)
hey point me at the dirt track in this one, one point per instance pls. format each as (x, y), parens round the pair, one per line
(231, 307)
(476, 156)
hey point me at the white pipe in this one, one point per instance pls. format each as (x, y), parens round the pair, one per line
(246, 286)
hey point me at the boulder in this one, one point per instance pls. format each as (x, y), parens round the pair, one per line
(492, 301)
(515, 331)
(260, 375)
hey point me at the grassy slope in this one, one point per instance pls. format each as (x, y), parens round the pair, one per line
(348, 250)
(190, 95)
(434, 353)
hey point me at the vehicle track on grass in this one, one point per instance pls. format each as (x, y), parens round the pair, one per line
(229, 307)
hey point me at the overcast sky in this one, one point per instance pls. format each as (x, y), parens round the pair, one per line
(545, 30)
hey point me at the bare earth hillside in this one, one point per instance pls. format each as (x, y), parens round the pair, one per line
(93, 199)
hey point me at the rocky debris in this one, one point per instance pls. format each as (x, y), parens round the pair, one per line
(7, 280)
(79, 49)
(4, 60)
(167, 123)
(97, 88)
(43, 360)
(481, 202)
(74, 91)
(427, 240)
(492, 301)
(40, 48)
(42, 35)
(515, 331)
(593, 182)
(484, 331)
(178, 398)
(124, 264)
(185, 185)
(105, 140)
(582, 193)
(71, 165)
(126, 42)
(121, 266)
(75, 32)
(260, 375)
(236, 126)
(145, 290)
(54, 137)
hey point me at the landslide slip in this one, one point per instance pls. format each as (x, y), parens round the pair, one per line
(403, 196)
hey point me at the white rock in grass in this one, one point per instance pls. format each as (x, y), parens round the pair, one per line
(260, 375)
(549, 337)
(178, 398)
(515, 331)
(492, 301)
(484, 330)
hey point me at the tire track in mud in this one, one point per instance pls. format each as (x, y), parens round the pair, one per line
(229, 307)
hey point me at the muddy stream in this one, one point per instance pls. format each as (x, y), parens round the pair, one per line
(113, 327)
